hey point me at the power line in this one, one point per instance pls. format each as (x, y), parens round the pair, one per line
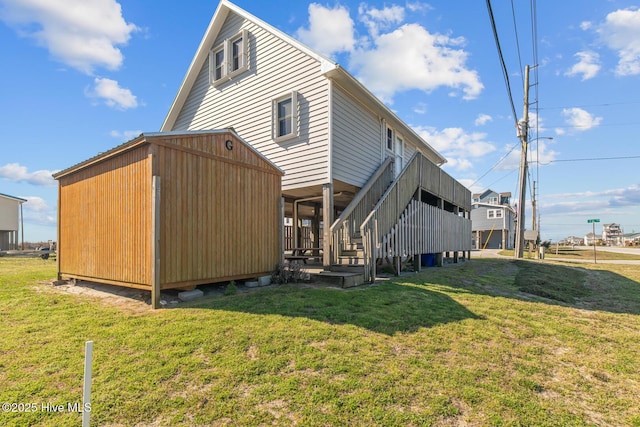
(502, 63)
(495, 165)
(515, 30)
(590, 159)
(608, 104)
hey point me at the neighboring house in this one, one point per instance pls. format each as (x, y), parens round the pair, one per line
(632, 239)
(574, 241)
(591, 239)
(612, 235)
(10, 214)
(340, 146)
(493, 221)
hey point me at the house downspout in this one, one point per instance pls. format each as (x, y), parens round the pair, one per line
(327, 189)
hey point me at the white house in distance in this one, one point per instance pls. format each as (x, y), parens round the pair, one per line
(10, 211)
(493, 220)
(350, 163)
(612, 235)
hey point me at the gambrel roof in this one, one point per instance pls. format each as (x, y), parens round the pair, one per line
(327, 67)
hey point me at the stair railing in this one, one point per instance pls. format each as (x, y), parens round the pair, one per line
(387, 211)
(346, 227)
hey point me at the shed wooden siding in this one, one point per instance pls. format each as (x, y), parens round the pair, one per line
(105, 220)
(219, 211)
(247, 106)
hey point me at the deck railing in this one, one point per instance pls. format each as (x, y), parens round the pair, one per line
(396, 225)
(347, 226)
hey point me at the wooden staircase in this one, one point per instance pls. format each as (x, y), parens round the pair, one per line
(385, 220)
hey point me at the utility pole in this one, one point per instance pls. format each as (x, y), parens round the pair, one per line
(523, 129)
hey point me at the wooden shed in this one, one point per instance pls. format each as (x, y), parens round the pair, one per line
(170, 210)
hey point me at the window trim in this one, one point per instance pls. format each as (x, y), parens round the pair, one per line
(226, 47)
(390, 137)
(497, 214)
(275, 118)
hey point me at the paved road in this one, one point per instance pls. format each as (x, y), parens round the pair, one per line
(493, 253)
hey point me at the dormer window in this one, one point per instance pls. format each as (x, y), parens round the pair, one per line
(229, 58)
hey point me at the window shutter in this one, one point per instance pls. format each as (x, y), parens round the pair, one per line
(274, 118)
(294, 112)
(244, 63)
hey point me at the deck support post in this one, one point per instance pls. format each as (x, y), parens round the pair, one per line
(155, 245)
(327, 219)
(281, 232)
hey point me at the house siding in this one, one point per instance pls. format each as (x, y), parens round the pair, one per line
(245, 103)
(9, 214)
(356, 140)
(481, 222)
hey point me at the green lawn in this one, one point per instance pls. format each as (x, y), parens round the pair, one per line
(487, 342)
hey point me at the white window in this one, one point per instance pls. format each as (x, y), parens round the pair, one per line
(493, 200)
(390, 139)
(494, 213)
(218, 64)
(239, 52)
(229, 58)
(285, 116)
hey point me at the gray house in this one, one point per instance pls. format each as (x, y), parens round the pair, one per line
(9, 221)
(493, 221)
(350, 163)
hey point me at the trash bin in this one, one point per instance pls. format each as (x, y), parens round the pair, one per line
(428, 260)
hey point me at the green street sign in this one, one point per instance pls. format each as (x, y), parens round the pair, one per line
(589, 221)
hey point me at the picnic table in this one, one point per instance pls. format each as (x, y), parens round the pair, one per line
(300, 254)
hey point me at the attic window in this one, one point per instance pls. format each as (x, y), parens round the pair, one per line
(285, 116)
(229, 58)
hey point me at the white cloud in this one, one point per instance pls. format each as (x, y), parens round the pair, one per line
(539, 151)
(629, 196)
(35, 204)
(83, 34)
(18, 173)
(37, 211)
(126, 135)
(420, 108)
(330, 30)
(620, 33)
(379, 19)
(593, 201)
(586, 25)
(112, 94)
(457, 145)
(588, 65)
(412, 58)
(419, 6)
(580, 119)
(483, 119)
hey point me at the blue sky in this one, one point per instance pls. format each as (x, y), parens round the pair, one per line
(82, 76)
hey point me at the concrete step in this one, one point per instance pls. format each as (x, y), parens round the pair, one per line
(347, 268)
(341, 279)
(352, 253)
(350, 260)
